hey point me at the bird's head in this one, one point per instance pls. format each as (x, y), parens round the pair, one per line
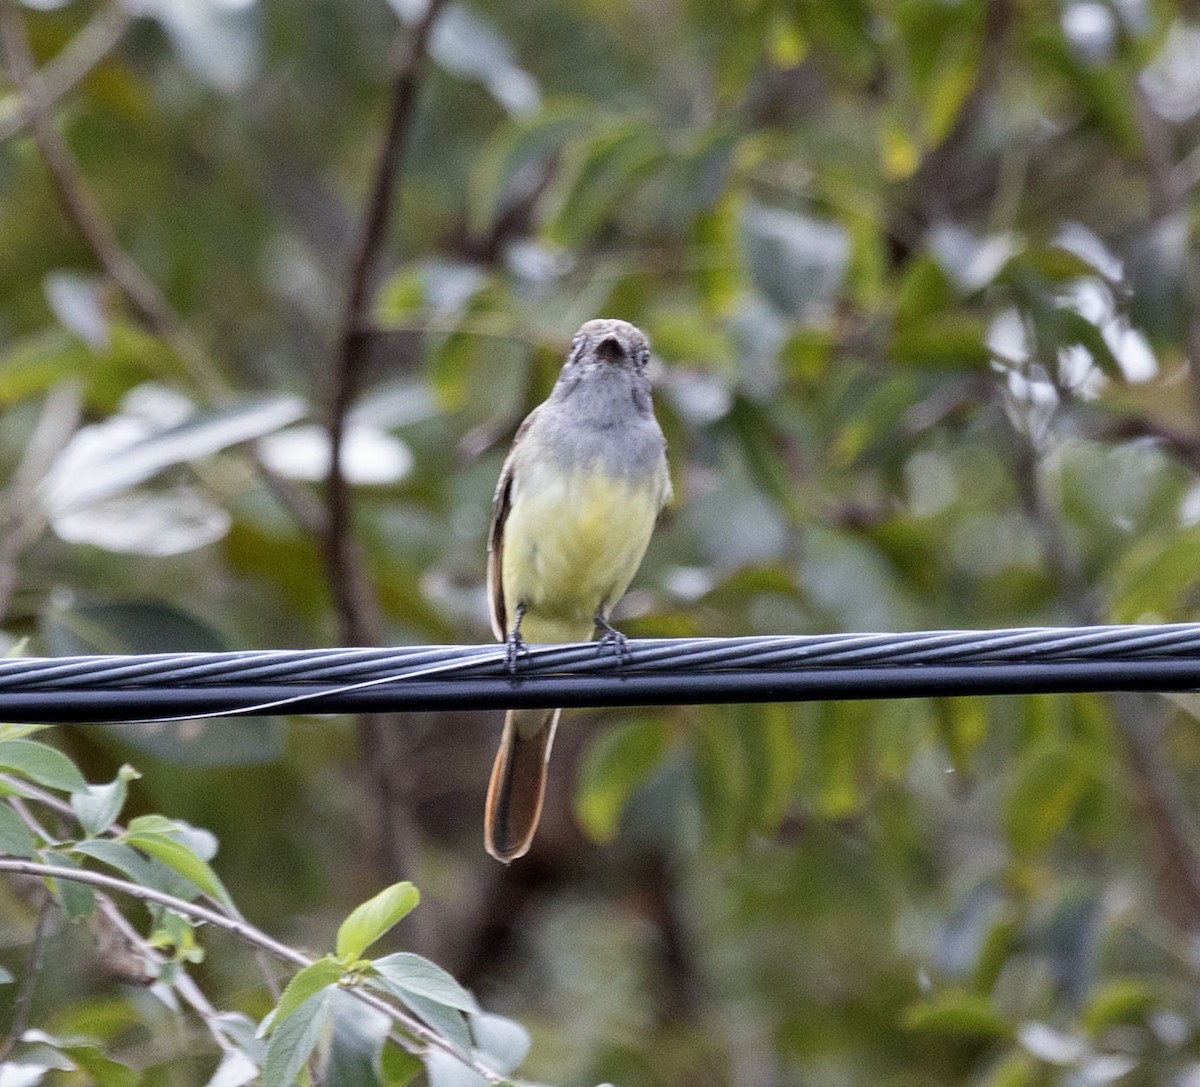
(606, 342)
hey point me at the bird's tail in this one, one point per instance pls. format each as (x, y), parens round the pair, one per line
(518, 783)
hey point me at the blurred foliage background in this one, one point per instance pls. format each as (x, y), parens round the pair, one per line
(920, 278)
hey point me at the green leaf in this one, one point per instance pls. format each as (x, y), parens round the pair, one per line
(955, 341)
(15, 838)
(40, 763)
(17, 732)
(101, 1069)
(175, 935)
(504, 1042)
(516, 146)
(292, 1044)
(1155, 576)
(1015, 1069)
(840, 749)
(400, 296)
(235, 1070)
(773, 763)
(957, 1013)
(36, 363)
(925, 291)
(140, 869)
(308, 982)
(720, 778)
(598, 176)
(765, 453)
(449, 1023)
(615, 765)
(98, 806)
(399, 1067)
(178, 857)
(797, 262)
(1119, 1001)
(1048, 789)
(78, 899)
(153, 824)
(355, 1051)
(368, 922)
(995, 950)
(409, 973)
(962, 726)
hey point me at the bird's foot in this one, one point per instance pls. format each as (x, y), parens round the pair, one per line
(514, 644)
(515, 648)
(613, 641)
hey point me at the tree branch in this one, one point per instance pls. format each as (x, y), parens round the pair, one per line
(246, 932)
(32, 792)
(356, 608)
(24, 996)
(61, 75)
(151, 304)
(382, 747)
(81, 206)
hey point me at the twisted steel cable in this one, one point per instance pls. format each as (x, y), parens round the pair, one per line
(653, 671)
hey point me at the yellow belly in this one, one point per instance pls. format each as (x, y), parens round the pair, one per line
(572, 543)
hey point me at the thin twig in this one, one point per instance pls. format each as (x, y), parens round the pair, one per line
(122, 949)
(24, 996)
(76, 61)
(81, 206)
(151, 304)
(141, 951)
(31, 823)
(33, 792)
(356, 608)
(383, 754)
(246, 932)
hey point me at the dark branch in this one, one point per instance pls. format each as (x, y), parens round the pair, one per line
(383, 747)
(356, 608)
(24, 996)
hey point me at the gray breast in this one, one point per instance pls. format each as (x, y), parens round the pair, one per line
(602, 425)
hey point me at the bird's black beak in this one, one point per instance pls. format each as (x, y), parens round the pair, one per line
(610, 348)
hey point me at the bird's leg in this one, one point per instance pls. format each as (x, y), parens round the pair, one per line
(514, 644)
(612, 639)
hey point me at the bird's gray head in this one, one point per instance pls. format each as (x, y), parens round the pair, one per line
(606, 372)
(605, 342)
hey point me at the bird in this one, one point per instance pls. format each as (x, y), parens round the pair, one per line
(578, 498)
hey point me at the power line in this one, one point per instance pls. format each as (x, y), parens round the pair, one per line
(652, 672)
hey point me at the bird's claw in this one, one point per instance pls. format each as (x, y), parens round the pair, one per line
(514, 648)
(613, 641)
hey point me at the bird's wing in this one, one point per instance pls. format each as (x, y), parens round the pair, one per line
(501, 505)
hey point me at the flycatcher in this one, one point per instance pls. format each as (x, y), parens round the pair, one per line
(578, 497)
